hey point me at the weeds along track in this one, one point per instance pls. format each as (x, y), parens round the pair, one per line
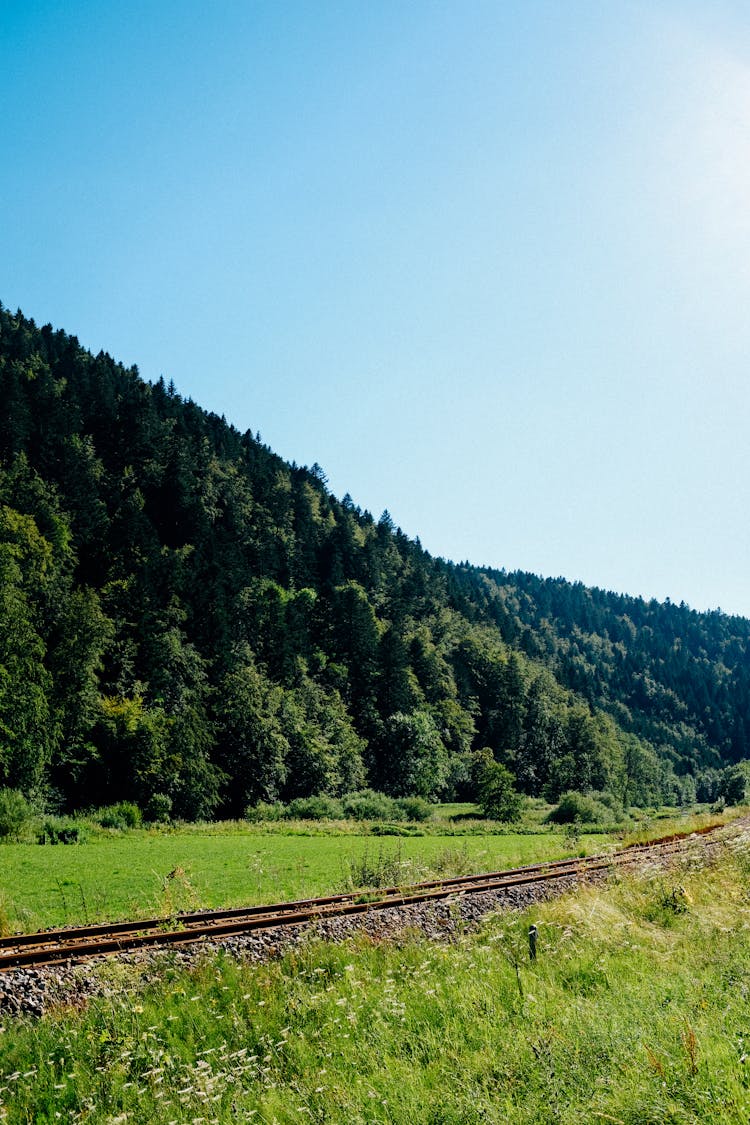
(78, 943)
(70, 945)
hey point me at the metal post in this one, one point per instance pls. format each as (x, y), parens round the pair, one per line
(532, 943)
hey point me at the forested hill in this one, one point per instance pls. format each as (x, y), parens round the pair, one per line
(185, 614)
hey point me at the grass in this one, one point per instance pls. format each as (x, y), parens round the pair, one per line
(665, 822)
(127, 874)
(635, 1012)
(139, 872)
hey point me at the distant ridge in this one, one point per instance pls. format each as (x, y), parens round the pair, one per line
(187, 615)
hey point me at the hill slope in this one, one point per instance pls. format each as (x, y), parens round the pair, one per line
(186, 614)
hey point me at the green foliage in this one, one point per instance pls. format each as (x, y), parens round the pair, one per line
(158, 808)
(26, 719)
(15, 812)
(418, 762)
(414, 808)
(182, 613)
(325, 753)
(497, 793)
(377, 869)
(265, 811)
(362, 805)
(61, 830)
(580, 808)
(252, 745)
(666, 902)
(315, 808)
(368, 805)
(734, 785)
(122, 815)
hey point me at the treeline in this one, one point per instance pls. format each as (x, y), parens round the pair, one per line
(184, 614)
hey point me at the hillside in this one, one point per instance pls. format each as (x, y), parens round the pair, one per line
(186, 614)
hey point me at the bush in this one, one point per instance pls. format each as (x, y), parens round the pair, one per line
(264, 811)
(610, 802)
(366, 804)
(581, 808)
(61, 830)
(384, 869)
(314, 808)
(158, 808)
(497, 793)
(414, 808)
(15, 810)
(122, 815)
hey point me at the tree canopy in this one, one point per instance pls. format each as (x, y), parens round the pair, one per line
(182, 613)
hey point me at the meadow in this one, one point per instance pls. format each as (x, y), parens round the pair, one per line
(139, 872)
(634, 1012)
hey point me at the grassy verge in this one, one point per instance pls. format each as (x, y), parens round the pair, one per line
(655, 825)
(635, 1011)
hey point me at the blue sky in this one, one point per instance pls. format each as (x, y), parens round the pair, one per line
(487, 263)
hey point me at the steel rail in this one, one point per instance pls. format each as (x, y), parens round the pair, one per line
(111, 929)
(102, 929)
(79, 943)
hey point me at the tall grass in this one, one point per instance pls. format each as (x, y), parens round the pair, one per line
(635, 1011)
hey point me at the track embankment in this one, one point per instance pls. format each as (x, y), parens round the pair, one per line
(37, 968)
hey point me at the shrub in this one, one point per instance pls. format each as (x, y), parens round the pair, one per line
(582, 808)
(414, 808)
(610, 802)
(314, 808)
(380, 829)
(264, 811)
(15, 810)
(61, 830)
(122, 815)
(366, 804)
(497, 793)
(383, 869)
(158, 807)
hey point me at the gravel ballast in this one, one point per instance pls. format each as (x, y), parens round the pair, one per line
(32, 992)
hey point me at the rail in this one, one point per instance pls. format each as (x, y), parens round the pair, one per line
(35, 950)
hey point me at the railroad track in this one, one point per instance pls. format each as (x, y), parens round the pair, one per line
(35, 950)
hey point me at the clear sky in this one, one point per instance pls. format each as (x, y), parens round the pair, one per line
(487, 263)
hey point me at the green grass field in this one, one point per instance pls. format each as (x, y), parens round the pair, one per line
(140, 872)
(126, 875)
(635, 1012)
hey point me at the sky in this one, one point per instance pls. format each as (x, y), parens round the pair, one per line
(488, 264)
